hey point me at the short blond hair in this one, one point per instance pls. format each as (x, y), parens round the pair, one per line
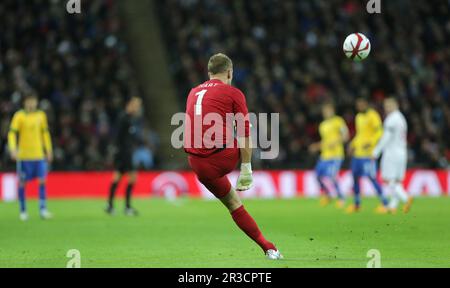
(219, 63)
(392, 99)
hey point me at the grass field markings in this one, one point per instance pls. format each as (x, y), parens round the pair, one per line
(321, 237)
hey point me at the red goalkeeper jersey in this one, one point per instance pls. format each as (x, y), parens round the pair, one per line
(211, 109)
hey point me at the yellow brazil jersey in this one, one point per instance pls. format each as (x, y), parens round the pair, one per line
(332, 143)
(31, 131)
(369, 130)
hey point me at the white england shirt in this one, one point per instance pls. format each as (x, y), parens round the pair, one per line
(394, 138)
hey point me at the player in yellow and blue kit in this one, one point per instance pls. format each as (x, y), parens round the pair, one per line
(333, 133)
(369, 130)
(30, 145)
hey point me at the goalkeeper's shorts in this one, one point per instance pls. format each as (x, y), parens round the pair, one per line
(212, 171)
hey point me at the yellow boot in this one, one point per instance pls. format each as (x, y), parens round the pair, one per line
(381, 210)
(340, 204)
(351, 209)
(324, 201)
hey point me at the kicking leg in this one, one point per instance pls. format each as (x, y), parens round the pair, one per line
(219, 185)
(245, 221)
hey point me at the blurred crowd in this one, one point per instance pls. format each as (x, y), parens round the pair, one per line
(288, 58)
(79, 67)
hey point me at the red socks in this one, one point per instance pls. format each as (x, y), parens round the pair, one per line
(249, 226)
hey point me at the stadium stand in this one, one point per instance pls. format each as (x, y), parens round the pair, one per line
(80, 66)
(288, 59)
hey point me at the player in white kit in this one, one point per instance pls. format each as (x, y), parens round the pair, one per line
(393, 146)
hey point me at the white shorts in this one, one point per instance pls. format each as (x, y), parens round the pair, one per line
(393, 166)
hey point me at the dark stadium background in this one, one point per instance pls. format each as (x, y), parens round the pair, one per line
(287, 56)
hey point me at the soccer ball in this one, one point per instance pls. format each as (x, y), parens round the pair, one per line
(357, 47)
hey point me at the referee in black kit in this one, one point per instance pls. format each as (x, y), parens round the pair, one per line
(127, 138)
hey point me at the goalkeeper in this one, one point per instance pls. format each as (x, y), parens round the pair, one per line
(214, 157)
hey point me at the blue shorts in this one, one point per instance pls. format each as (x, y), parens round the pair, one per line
(364, 167)
(29, 170)
(328, 168)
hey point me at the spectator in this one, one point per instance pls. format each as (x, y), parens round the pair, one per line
(288, 58)
(79, 66)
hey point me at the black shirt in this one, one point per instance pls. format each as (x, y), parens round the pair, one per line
(127, 134)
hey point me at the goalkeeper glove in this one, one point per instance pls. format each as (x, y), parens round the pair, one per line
(245, 179)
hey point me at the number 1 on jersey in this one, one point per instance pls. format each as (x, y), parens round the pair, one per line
(198, 104)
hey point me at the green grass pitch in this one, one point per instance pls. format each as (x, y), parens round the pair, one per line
(196, 233)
